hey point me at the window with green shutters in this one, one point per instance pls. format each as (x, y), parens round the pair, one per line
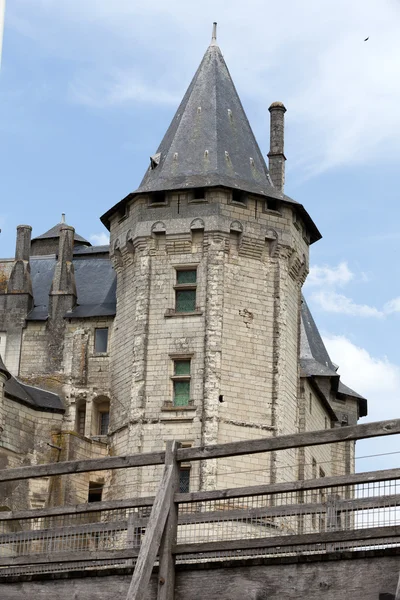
(185, 290)
(181, 382)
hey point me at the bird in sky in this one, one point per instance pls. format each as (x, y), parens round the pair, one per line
(366, 39)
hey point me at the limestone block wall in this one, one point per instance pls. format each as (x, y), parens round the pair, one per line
(24, 441)
(242, 341)
(84, 374)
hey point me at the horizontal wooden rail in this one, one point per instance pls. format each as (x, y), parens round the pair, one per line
(290, 486)
(230, 493)
(83, 466)
(328, 537)
(64, 557)
(296, 440)
(75, 509)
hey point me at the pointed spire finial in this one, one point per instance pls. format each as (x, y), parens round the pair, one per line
(214, 35)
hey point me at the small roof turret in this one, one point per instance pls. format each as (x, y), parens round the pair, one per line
(54, 232)
(47, 243)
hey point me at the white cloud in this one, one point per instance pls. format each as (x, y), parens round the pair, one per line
(371, 377)
(392, 306)
(319, 276)
(330, 301)
(100, 239)
(378, 380)
(119, 87)
(334, 83)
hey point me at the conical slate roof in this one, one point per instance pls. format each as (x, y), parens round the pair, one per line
(210, 141)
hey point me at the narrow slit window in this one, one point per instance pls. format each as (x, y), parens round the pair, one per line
(184, 480)
(81, 418)
(185, 290)
(101, 340)
(181, 383)
(104, 422)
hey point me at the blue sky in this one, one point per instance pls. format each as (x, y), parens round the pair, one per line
(88, 88)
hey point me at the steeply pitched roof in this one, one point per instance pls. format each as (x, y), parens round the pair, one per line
(95, 284)
(33, 397)
(210, 143)
(314, 358)
(54, 232)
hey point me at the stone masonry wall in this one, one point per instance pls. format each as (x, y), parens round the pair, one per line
(243, 341)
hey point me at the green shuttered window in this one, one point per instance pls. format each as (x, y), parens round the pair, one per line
(181, 382)
(185, 290)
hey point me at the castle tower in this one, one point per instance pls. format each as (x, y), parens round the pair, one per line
(210, 257)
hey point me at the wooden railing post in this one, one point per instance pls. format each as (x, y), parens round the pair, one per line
(152, 539)
(166, 579)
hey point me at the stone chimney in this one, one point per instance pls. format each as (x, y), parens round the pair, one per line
(62, 297)
(20, 277)
(63, 287)
(276, 154)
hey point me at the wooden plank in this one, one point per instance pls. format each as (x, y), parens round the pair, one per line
(65, 557)
(166, 577)
(83, 466)
(290, 486)
(356, 535)
(150, 545)
(75, 509)
(296, 440)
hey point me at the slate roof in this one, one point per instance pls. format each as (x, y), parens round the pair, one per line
(210, 143)
(33, 397)
(95, 283)
(210, 119)
(83, 250)
(3, 368)
(54, 232)
(315, 360)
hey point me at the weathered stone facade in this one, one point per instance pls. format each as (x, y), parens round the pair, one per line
(106, 344)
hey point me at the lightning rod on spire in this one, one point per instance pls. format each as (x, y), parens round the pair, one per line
(214, 34)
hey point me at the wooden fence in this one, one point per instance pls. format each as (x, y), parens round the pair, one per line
(307, 516)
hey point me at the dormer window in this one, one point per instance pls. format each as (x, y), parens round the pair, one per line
(155, 161)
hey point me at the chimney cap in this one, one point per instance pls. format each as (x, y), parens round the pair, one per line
(279, 105)
(24, 227)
